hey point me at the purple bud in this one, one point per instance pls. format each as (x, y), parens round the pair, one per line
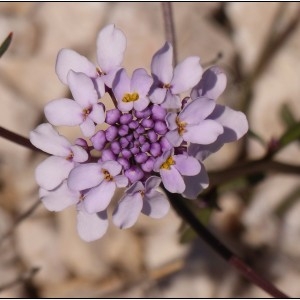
(129, 137)
(142, 139)
(99, 140)
(126, 118)
(107, 154)
(111, 133)
(82, 142)
(152, 136)
(126, 153)
(164, 143)
(155, 149)
(133, 124)
(123, 130)
(134, 150)
(124, 142)
(115, 147)
(147, 123)
(141, 158)
(124, 162)
(140, 130)
(148, 165)
(160, 127)
(134, 174)
(136, 135)
(158, 113)
(112, 116)
(136, 143)
(145, 147)
(143, 114)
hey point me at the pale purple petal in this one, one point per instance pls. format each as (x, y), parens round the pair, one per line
(141, 82)
(141, 104)
(174, 138)
(113, 167)
(88, 127)
(99, 86)
(195, 184)
(111, 45)
(91, 227)
(52, 171)
(205, 133)
(109, 78)
(97, 113)
(155, 205)
(234, 121)
(99, 197)
(171, 101)
(152, 182)
(82, 89)
(134, 188)
(187, 165)
(63, 112)
(162, 63)
(46, 138)
(158, 95)
(172, 180)
(68, 59)
(212, 84)
(121, 85)
(127, 211)
(121, 181)
(186, 75)
(79, 154)
(125, 106)
(171, 120)
(197, 110)
(60, 198)
(85, 176)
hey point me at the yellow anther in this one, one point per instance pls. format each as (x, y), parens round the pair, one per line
(180, 126)
(166, 85)
(86, 112)
(107, 176)
(168, 163)
(130, 97)
(142, 193)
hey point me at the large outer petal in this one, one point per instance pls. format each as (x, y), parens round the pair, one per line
(97, 114)
(155, 205)
(88, 127)
(68, 59)
(121, 85)
(60, 198)
(212, 84)
(63, 112)
(172, 180)
(186, 75)
(79, 154)
(141, 82)
(128, 210)
(187, 165)
(162, 63)
(85, 176)
(52, 171)
(46, 138)
(91, 227)
(99, 197)
(204, 133)
(195, 184)
(82, 89)
(197, 110)
(111, 45)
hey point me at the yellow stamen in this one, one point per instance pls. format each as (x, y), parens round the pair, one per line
(130, 97)
(168, 163)
(107, 176)
(70, 156)
(180, 126)
(166, 86)
(86, 112)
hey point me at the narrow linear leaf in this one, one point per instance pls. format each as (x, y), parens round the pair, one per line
(287, 116)
(291, 135)
(257, 137)
(4, 46)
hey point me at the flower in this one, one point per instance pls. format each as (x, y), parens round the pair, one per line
(54, 169)
(169, 82)
(84, 111)
(140, 198)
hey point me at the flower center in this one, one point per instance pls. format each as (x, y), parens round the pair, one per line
(100, 72)
(70, 156)
(86, 112)
(180, 126)
(107, 176)
(166, 86)
(130, 97)
(168, 163)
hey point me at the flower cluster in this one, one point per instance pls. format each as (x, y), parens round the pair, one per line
(152, 136)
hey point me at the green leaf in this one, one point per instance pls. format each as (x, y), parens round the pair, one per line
(4, 46)
(292, 134)
(287, 116)
(257, 137)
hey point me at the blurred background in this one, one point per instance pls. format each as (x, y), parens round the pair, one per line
(258, 46)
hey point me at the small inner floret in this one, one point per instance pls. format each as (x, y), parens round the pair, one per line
(130, 97)
(168, 163)
(107, 176)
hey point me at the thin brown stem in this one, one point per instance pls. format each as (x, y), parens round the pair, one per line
(169, 26)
